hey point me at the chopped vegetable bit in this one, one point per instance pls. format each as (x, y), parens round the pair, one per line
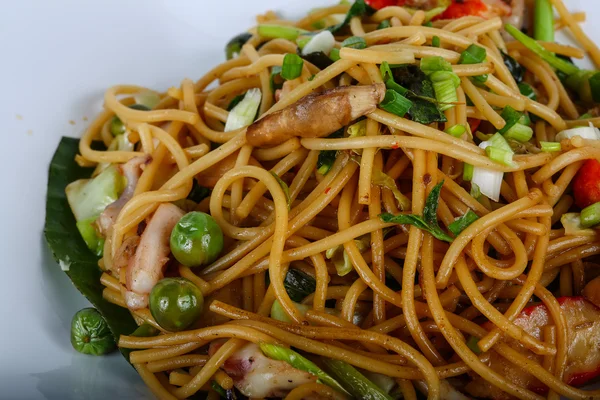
(586, 184)
(428, 222)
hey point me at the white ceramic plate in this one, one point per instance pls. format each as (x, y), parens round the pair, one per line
(57, 59)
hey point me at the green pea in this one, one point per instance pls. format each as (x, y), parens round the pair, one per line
(117, 127)
(196, 240)
(90, 333)
(176, 303)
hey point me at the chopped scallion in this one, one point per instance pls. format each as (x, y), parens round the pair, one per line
(395, 103)
(467, 172)
(511, 116)
(429, 65)
(498, 141)
(355, 42)
(270, 31)
(435, 41)
(519, 132)
(334, 54)
(292, 66)
(550, 147)
(456, 130)
(527, 91)
(473, 55)
(384, 24)
(500, 156)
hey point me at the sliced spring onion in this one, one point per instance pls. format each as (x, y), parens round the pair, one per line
(480, 78)
(322, 41)
(572, 224)
(355, 42)
(473, 55)
(543, 25)
(538, 49)
(475, 192)
(117, 127)
(292, 66)
(435, 41)
(550, 147)
(386, 71)
(384, 24)
(590, 216)
(525, 119)
(586, 116)
(358, 129)
(429, 65)
(467, 172)
(527, 91)
(334, 54)
(270, 31)
(444, 84)
(511, 116)
(500, 156)
(520, 133)
(395, 103)
(244, 112)
(498, 141)
(586, 132)
(284, 187)
(456, 130)
(488, 182)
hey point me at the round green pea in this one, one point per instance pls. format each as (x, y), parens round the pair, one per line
(176, 303)
(90, 333)
(196, 240)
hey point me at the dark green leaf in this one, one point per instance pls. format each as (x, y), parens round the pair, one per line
(424, 109)
(527, 91)
(358, 9)
(431, 204)
(299, 284)
(353, 381)
(198, 193)
(514, 67)
(234, 46)
(318, 59)
(428, 222)
(66, 244)
(327, 157)
(461, 223)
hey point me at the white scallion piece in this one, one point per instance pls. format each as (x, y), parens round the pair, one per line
(244, 112)
(323, 41)
(585, 132)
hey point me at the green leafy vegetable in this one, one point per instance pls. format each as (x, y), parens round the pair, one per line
(299, 284)
(236, 100)
(428, 222)
(234, 46)
(461, 223)
(279, 314)
(327, 157)
(198, 193)
(516, 70)
(334, 54)
(354, 382)
(358, 9)
(66, 244)
(270, 31)
(420, 91)
(527, 91)
(384, 24)
(318, 59)
(473, 55)
(472, 344)
(511, 116)
(299, 362)
(340, 258)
